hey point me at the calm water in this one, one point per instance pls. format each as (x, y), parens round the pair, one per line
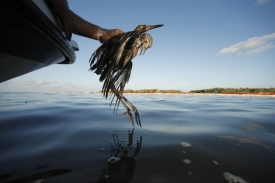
(57, 138)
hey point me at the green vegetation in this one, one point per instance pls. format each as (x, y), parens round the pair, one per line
(152, 91)
(259, 91)
(236, 90)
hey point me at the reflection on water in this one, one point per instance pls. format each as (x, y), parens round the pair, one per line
(233, 179)
(252, 126)
(37, 177)
(121, 166)
(75, 138)
(249, 141)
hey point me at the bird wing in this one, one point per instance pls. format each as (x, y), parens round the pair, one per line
(112, 61)
(109, 52)
(119, 77)
(123, 78)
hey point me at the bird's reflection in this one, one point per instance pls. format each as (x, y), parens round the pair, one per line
(121, 164)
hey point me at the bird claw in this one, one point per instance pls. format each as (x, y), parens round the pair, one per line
(130, 117)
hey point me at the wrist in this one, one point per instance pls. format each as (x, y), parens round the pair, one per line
(101, 34)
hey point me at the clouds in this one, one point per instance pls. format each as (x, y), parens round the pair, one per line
(262, 1)
(251, 46)
(42, 86)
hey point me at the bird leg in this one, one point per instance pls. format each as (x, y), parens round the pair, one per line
(116, 93)
(134, 109)
(128, 105)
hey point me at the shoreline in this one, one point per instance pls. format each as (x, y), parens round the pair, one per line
(205, 94)
(141, 93)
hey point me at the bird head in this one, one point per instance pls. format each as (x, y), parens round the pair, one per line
(143, 28)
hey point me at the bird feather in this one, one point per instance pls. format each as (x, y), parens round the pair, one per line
(113, 62)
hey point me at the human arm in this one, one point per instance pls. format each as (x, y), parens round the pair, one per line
(83, 28)
(72, 23)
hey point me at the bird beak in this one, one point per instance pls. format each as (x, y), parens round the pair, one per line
(149, 27)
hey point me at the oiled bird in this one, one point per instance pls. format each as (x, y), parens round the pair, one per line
(113, 62)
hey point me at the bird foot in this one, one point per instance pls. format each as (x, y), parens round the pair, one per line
(130, 117)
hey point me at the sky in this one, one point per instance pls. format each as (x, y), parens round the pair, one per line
(203, 44)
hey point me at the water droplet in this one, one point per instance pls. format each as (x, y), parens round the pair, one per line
(113, 160)
(187, 161)
(183, 152)
(185, 144)
(102, 149)
(215, 162)
(39, 181)
(233, 179)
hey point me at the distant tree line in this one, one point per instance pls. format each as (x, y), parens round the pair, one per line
(152, 91)
(211, 90)
(236, 90)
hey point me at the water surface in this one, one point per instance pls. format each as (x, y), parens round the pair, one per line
(70, 138)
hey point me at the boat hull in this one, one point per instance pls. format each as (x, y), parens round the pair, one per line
(29, 40)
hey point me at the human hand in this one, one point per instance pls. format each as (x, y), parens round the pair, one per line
(110, 33)
(62, 10)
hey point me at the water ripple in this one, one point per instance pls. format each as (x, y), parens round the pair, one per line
(79, 132)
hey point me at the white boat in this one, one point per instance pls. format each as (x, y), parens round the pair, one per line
(31, 38)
